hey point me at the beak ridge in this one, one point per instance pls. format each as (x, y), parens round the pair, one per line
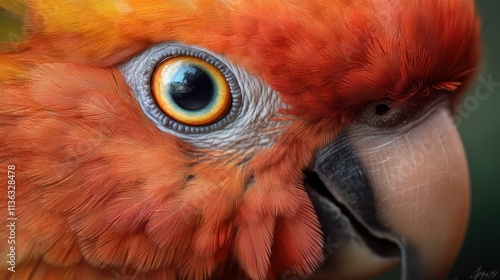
(408, 186)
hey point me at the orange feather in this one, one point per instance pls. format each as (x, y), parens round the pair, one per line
(103, 193)
(359, 50)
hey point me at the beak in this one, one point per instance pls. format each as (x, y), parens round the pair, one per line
(389, 196)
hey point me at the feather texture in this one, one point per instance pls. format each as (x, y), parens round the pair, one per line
(125, 200)
(304, 49)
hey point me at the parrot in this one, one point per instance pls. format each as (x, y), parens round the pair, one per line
(234, 139)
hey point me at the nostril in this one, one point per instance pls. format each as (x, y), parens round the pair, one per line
(382, 109)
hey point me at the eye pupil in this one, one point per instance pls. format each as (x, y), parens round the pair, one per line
(191, 88)
(382, 109)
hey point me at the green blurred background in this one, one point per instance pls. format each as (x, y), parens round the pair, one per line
(480, 129)
(481, 136)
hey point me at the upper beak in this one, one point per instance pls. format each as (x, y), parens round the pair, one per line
(405, 188)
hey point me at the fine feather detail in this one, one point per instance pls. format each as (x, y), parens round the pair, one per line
(357, 50)
(126, 200)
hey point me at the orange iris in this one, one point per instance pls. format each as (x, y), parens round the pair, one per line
(191, 91)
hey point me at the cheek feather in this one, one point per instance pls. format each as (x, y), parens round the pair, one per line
(81, 147)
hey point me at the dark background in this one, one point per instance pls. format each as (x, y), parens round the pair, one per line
(479, 126)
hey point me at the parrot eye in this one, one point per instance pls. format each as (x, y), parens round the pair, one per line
(191, 91)
(184, 89)
(202, 97)
(382, 114)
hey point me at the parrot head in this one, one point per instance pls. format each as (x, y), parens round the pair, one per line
(221, 139)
